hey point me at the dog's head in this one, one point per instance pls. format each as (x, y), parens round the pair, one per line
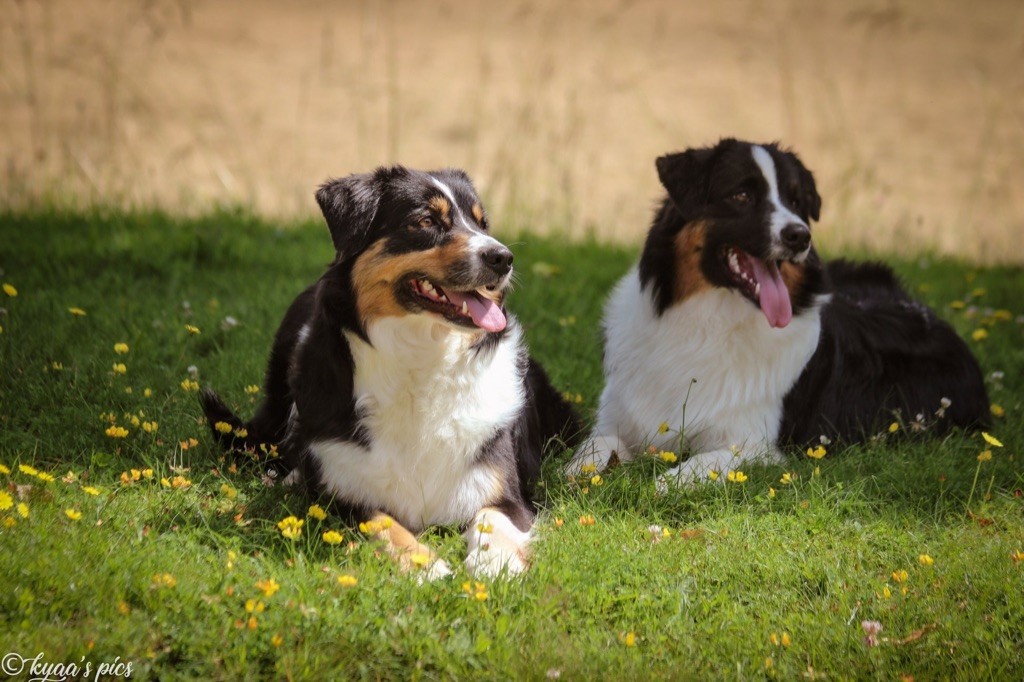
(417, 243)
(746, 211)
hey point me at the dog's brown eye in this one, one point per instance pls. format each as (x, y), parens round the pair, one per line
(427, 223)
(741, 197)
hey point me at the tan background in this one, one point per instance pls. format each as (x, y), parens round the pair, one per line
(911, 114)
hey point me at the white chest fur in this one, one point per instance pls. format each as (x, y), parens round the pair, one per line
(429, 403)
(711, 365)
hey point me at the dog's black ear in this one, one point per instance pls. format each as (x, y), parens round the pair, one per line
(685, 176)
(349, 206)
(809, 196)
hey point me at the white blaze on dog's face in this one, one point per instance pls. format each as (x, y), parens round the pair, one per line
(418, 244)
(746, 213)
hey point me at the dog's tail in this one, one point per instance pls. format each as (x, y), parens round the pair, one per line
(243, 439)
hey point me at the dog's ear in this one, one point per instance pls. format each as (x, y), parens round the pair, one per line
(809, 196)
(349, 206)
(685, 176)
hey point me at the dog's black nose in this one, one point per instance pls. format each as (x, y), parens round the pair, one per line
(796, 237)
(498, 259)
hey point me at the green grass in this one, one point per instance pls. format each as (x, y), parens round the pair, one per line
(740, 567)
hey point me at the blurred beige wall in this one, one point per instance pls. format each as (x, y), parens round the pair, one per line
(911, 114)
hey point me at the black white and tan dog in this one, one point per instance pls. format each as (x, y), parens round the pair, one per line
(732, 331)
(398, 386)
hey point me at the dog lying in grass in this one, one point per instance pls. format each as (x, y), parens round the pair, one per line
(398, 386)
(731, 337)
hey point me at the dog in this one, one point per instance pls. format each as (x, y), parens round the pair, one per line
(399, 388)
(732, 338)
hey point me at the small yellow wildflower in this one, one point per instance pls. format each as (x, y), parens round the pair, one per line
(713, 475)
(276, 641)
(23, 510)
(774, 639)
(6, 501)
(147, 474)
(121, 348)
(485, 527)
(997, 411)
(316, 511)
(135, 421)
(957, 305)
(45, 477)
(771, 492)
(228, 491)
(480, 595)
(222, 427)
(190, 385)
(629, 639)
(147, 392)
(348, 580)
(291, 527)
(73, 514)
(77, 312)
(90, 490)
(254, 606)
(252, 389)
(925, 560)
(786, 641)
(10, 290)
(1017, 556)
(900, 576)
(117, 432)
(165, 482)
(985, 456)
(164, 580)
(8, 522)
(666, 456)
(373, 527)
(816, 452)
(786, 479)
(332, 537)
(150, 427)
(894, 427)
(192, 329)
(886, 592)
(979, 334)
(588, 468)
(241, 433)
(587, 520)
(4, 470)
(27, 469)
(123, 608)
(596, 480)
(979, 292)
(180, 482)
(559, 521)
(119, 368)
(252, 623)
(991, 440)
(736, 477)
(663, 427)
(419, 559)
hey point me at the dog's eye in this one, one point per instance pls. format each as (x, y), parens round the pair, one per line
(741, 197)
(427, 223)
(795, 200)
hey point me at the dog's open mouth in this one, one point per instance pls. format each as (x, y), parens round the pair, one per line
(761, 282)
(479, 307)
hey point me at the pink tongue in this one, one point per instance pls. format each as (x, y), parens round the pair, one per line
(485, 313)
(774, 299)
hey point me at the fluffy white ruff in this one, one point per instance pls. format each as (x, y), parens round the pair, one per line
(715, 346)
(429, 403)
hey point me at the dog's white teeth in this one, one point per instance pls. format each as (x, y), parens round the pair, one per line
(465, 308)
(428, 287)
(757, 289)
(442, 298)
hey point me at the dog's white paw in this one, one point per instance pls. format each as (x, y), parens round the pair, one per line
(489, 562)
(437, 570)
(595, 454)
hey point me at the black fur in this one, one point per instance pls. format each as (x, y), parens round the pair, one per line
(391, 205)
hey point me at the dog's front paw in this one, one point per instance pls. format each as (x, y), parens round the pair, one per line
(489, 562)
(436, 570)
(596, 454)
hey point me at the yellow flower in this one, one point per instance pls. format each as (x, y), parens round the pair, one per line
(90, 490)
(774, 639)
(629, 639)
(997, 411)
(254, 606)
(241, 433)
(136, 422)
(480, 595)
(991, 440)
(77, 312)
(10, 290)
(147, 473)
(165, 482)
(253, 623)
(663, 427)
(4, 470)
(332, 537)
(900, 576)
(120, 348)
(786, 479)
(979, 334)
(73, 514)
(667, 456)
(190, 385)
(485, 527)
(925, 560)
(736, 477)
(291, 527)
(8, 522)
(228, 491)
(374, 527)
(180, 482)
(816, 452)
(348, 580)
(119, 368)
(786, 641)
(276, 641)
(419, 559)
(123, 608)
(985, 456)
(192, 329)
(23, 510)
(957, 305)
(164, 580)
(45, 477)
(117, 432)
(886, 592)
(713, 475)
(588, 468)
(894, 427)
(316, 512)
(6, 501)
(148, 392)
(222, 427)
(771, 492)
(596, 480)
(587, 520)
(252, 389)
(977, 293)
(1017, 556)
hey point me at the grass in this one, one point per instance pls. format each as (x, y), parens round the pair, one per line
(755, 580)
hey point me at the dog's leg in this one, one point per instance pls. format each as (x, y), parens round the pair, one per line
(496, 544)
(597, 454)
(404, 548)
(699, 467)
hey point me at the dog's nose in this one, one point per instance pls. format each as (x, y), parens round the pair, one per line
(796, 237)
(498, 259)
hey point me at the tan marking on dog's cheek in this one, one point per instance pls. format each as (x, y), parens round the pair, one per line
(689, 250)
(442, 206)
(373, 280)
(478, 213)
(794, 276)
